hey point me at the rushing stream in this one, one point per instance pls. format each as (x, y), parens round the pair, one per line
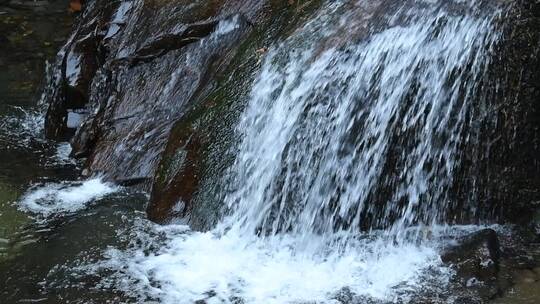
(336, 120)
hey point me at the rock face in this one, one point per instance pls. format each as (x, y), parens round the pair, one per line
(477, 261)
(500, 172)
(130, 70)
(149, 92)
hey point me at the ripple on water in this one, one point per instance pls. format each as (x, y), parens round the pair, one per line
(10, 219)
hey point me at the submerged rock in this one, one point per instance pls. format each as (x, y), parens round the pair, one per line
(492, 265)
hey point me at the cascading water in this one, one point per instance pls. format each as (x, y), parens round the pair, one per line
(323, 121)
(354, 122)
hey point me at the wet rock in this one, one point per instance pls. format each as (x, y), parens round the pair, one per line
(161, 45)
(135, 66)
(178, 177)
(492, 266)
(476, 262)
(81, 63)
(71, 77)
(499, 172)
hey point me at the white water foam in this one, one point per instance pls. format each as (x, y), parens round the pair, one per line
(226, 26)
(51, 199)
(62, 155)
(193, 266)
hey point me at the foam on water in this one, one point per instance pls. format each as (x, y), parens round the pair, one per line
(172, 264)
(62, 155)
(22, 128)
(226, 26)
(50, 199)
(193, 266)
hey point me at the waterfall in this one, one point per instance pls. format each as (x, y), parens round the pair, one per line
(333, 119)
(354, 123)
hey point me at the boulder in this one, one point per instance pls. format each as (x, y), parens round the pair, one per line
(131, 69)
(476, 262)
